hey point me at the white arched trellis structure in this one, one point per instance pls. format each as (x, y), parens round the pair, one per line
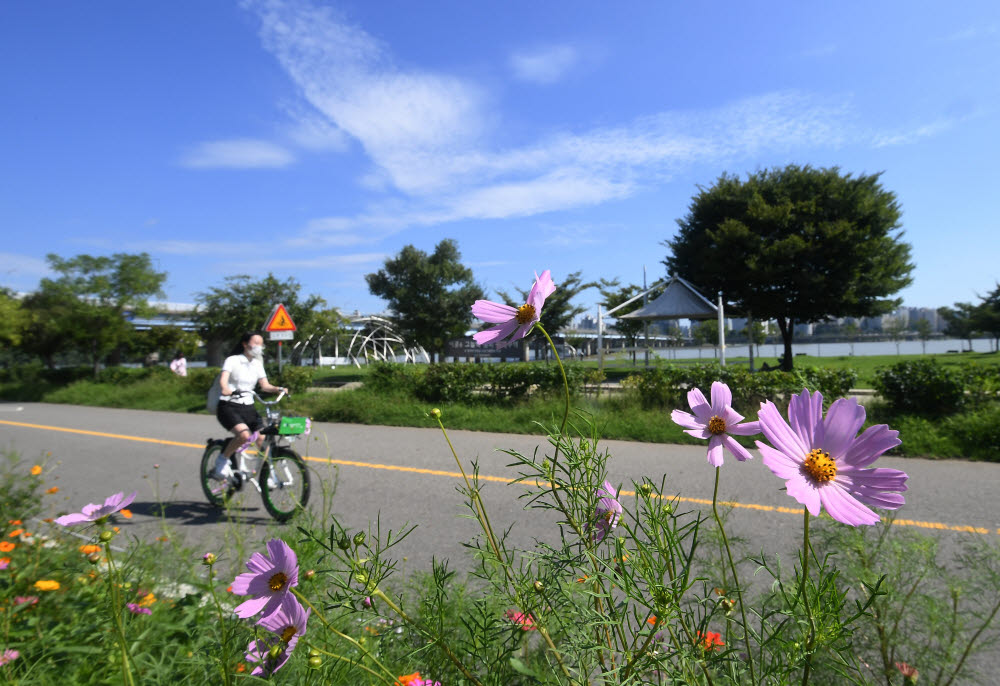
(376, 340)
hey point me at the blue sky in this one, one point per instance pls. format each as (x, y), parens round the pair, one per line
(316, 139)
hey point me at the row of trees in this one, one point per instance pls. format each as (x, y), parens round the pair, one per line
(966, 320)
(84, 312)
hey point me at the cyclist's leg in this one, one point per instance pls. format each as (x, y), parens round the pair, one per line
(241, 433)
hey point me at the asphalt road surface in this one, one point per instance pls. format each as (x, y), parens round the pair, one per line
(408, 475)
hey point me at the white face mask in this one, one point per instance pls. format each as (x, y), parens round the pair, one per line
(257, 351)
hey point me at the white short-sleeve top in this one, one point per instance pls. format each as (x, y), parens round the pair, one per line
(243, 376)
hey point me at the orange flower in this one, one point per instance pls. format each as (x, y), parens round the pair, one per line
(162, 539)
(47, 585)
(709, 640)
(15, 522)
(651, 620)
(241, 668)
(147, 600)
(127, 514)
(410, 679)
(15, 533)
(54, 489)
(90, 548)
(6, 546)
(48, 520)
(36, 470)
(582, 579)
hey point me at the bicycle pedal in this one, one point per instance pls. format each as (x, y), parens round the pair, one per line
(237, 480)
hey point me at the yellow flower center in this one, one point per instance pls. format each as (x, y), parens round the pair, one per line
(277, 581)
(717, 425)
(820, 466)
(287, 634)
(525, 314)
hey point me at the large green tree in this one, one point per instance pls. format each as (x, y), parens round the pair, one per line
(986, 315)
(794, 244)
(429, 296)
(243, 304)
(13, 319)
(85, 306)
(959, 321)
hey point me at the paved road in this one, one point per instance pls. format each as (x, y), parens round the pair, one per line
(408, 475)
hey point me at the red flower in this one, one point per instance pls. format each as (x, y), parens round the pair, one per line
(709, 640)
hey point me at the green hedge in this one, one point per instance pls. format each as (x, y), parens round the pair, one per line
(472, 382)
(929, 389)
(668, 385)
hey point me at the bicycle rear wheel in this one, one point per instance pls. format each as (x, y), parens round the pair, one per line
(217, 492)
(284, 483)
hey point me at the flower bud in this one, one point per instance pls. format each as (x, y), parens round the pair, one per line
(344, 542)
(539, 586)
(94, 558)
(359, 538)
(367, 602)
(313, 652)
(309, 574)
(106, 536)
(275, 651)
(646, 488)
(208, 559)
(436, 413)
(361, 577)
(315, 662)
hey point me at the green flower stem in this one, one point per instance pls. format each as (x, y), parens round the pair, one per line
(116, 609)
(736, 580)
(447, 651)
(349, 639)
(562, 370)
(353, 663)
(226, 678)
(805, 598)
(484, 521)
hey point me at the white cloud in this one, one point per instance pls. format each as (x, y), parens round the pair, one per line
(185, 248)
(239, 153)
(545, 65)
(913, 134)
(323, 261)
(972, 33)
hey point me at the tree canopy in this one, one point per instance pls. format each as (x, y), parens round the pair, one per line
(243, 304)
(794, 244)
(986, 315)
(429, 296)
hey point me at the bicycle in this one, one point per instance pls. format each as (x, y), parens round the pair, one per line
(279, 475)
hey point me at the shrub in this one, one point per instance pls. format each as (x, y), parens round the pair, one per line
(921, 387)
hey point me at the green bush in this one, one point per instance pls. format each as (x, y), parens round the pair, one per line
(921, 387)
(976, 433)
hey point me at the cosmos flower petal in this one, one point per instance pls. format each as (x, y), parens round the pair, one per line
(778, 433)
(540, 290)
(686, 420)
(744, 429)
(523, 331)
(722, 398)
(741, 453)
(250, 607)
(258, 564)
(715, 457)
(699, 406)
(780, 464)
(493, 333)
(843, 421)
(241, 584)
(871, 444)
(729, 415)
(701, 432)
(845, 508)
(806, 492)
(805, 414)
(492, 312)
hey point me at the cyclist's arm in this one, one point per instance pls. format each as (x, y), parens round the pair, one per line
(268, 387)
(224, 384)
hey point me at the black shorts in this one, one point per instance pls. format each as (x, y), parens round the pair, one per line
(230, 414)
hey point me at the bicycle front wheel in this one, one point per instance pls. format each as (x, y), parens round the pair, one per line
(217, 492)
(284, 484)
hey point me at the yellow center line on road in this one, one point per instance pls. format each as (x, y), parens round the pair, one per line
(940, 526)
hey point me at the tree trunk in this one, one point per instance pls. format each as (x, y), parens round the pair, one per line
(750, 336)
(787, 327)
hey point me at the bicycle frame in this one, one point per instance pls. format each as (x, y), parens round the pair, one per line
(271, 440)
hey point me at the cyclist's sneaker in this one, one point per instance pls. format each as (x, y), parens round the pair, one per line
(221, 474)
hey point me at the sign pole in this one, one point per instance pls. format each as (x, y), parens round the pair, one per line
(279, 357)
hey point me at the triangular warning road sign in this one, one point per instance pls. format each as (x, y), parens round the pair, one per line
(279, 320)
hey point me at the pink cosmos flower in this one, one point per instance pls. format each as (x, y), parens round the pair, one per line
(9, 655)
(824, 461)
(288, 622)
(137, 609)
(608, 511)
(268, 581)
(717, 422)
(93, 512)
(4, 562)
(26, 600)
(509, 320)
(525, 621)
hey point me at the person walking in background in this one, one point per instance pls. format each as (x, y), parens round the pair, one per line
(179, 365)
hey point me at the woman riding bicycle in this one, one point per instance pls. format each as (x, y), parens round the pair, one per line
(241, 372)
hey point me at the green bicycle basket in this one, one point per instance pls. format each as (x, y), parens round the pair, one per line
(291, 426)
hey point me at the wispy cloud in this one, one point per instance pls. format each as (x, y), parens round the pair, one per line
(973, 33)
(324, 261)
(240, 153)
(435, 152)
(912, 134)
(545, 65)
